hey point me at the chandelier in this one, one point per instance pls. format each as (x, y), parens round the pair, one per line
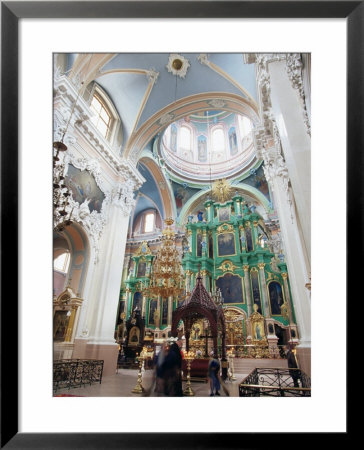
(166, 278)
(61, 193)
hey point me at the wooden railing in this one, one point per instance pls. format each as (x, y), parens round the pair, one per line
(73, 373)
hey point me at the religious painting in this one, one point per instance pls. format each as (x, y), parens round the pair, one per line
(84, 187)
(137, 300)
(141, 269)
(198, 244)
(134, 336)
(224, 214)
(152, 308)
(275, 297)
(165, 311)
(233, 142)
(202, 148)
(248, 240)
(257, 179)
(182, 193)
(231, 287)
(60, 325)
(255, 289)
(226, 244)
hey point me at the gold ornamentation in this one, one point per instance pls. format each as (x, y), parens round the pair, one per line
(261, 266)
(143, 249)
(284, 311)
(257, 325)
(189, 356)
(284, 275)
(166, 278)
(246, 268)
(227, 266)
(225, 227)
(138, 387)
(221, 190)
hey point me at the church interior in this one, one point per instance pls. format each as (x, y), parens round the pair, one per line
(182, 212)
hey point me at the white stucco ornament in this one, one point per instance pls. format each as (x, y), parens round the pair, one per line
(178, 65)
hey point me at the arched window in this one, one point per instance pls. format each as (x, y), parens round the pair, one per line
(218, 140)
(61, 263)
(102, 116)
(245, 126)
(149, 222)
(185, 138)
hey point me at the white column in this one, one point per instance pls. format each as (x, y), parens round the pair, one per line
(277, 175)
(289, 106)
(106, 284)
(247, 289)
(104, 289)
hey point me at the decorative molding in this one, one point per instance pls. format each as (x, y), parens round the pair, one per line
(178, 65)
(152, 75)
(294, 71)
(203, 59)
(166, 118)
(217, 103)
(122, 195)
(227, 266)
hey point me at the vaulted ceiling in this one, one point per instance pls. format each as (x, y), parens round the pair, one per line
(140, 84)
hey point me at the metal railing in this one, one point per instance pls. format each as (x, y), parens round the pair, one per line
(272, 382)
(73, 373)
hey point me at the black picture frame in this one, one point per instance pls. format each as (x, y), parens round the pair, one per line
(11, 13)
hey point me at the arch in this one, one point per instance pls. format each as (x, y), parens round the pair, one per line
(79, 248)
(183, 107)
(193, 202)
(157, 174)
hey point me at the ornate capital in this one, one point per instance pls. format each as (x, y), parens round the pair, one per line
(246, 268)
(122, 195)
(284, 275)
(152, 75)
(203, 59)
(261, 266)
(294, 71)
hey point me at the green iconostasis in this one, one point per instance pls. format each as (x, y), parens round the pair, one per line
(228, 244)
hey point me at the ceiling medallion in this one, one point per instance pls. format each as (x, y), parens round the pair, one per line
(178, 65)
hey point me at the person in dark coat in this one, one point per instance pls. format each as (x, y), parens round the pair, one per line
(213, 375)
(171, 372)
(292, 364)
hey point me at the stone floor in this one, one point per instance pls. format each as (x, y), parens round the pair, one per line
(123, 382)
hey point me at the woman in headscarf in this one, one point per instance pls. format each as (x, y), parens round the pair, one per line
(171, 372)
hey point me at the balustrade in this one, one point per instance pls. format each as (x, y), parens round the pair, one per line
(73, 373)
(271, 382)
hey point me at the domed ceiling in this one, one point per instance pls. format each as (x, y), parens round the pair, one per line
(208, 145)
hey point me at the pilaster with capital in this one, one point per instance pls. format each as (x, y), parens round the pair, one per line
(276, 172)
(104, 285)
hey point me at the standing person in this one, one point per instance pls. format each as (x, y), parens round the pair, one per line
(171, 372)
(292, 364)
(213, 375)
(159, 382)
